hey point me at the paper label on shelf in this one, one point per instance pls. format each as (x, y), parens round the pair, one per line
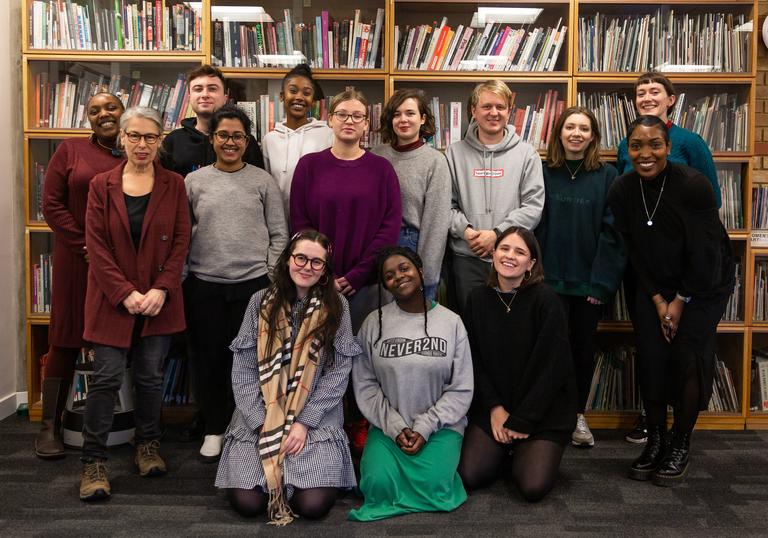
(760, 238)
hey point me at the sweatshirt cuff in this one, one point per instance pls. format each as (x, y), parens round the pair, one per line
(423, 429)
(518, 424)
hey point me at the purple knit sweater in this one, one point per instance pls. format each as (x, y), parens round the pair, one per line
(355, 203)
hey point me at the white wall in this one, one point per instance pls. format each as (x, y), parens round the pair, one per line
(12, 340)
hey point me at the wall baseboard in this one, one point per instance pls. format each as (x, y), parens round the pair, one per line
(8, 404)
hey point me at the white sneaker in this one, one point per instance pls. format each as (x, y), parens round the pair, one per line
(581, 435)
(211, 449)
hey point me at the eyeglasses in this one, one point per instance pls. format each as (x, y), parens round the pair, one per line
(149, 138)
(224, 136)
(317, 264)
(344, 116)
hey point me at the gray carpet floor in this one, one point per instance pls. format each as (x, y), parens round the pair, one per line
(725, 494)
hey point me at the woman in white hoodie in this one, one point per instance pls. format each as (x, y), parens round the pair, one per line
(299, 134)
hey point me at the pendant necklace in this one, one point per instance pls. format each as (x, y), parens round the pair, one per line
(573, 174)
(507, 305)
(645, 206)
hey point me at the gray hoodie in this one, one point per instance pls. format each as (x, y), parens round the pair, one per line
(495, 186)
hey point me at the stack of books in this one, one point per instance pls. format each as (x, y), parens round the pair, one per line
(42, 276)
(731, 213)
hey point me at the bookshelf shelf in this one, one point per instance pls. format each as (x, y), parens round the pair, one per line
(735, 338)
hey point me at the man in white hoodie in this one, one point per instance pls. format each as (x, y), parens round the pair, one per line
(497, 183)
(299, 134)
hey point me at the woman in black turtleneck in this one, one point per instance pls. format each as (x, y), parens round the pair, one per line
(681, 253)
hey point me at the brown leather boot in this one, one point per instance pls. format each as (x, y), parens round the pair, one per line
(48, 443)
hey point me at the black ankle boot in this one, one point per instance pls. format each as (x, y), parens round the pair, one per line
(675, 464)
(653, 453)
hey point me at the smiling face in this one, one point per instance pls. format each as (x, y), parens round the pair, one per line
(306, 277)
(576, 136)
(407, 121)
(140, 153)
(104, 113)
(206, 95)
(652, 99)
(229, 153)
(347, 131)
(648, 151)
(298, 95)
(512, 259)
(401, 277)
(491, 114)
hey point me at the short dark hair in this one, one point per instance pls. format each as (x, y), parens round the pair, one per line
(303, 70)
(230, 112)
(649, 121)
(206, 71)
(654, 77)
(398, 98)
(537, 273)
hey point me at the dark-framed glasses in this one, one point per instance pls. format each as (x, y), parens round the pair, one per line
(149, 138)
(223, 136)
(343, 116)
(317, 264)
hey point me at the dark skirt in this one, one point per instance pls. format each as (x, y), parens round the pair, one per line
(664, 366)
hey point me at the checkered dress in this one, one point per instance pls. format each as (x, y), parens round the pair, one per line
(325, 460)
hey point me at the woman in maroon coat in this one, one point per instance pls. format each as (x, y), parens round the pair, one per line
(70, 171)
(137, 234)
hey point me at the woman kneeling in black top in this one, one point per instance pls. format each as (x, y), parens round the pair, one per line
(524, 407)
(680, 251)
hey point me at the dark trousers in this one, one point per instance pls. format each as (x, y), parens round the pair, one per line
(214, 315)
(147, 356)
(468, 273)
(582, 328)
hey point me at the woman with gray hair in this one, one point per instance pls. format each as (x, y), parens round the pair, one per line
(137, 235)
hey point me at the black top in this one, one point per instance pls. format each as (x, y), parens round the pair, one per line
(137, 207)
(686, 250)
(187, 149)
(521, 360)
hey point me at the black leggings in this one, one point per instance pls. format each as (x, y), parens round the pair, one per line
(583, 318)
(311, 503)
(534, 469)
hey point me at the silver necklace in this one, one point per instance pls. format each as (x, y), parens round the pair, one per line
(658, 200)
(507, 305)
(573, 173)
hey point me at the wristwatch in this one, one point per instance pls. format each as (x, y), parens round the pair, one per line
(686, 300)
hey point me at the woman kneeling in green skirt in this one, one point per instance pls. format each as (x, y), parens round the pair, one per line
(414, 384)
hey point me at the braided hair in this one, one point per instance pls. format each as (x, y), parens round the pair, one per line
(386, 253)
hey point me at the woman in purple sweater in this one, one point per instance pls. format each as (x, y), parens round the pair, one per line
(353, 197)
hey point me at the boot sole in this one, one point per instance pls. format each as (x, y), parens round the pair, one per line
(641, 475)
(209, 459)
(98, 495)
(50, 456)
(667, 481)
(155, 471)
(582, 445)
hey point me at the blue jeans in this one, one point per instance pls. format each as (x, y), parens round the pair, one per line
(409, 238)
(147, 358)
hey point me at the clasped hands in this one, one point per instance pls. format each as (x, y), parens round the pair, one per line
(410, 441)
(669, 315)
(499, 417)
(480, 242)
(147, 304)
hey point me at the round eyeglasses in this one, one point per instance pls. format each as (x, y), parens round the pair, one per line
(317, 264)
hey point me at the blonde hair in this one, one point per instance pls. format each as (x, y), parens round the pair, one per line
(497, 87)
(349, 94)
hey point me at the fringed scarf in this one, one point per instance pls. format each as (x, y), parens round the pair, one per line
(286, 372)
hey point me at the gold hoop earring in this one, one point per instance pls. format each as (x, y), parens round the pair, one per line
(527, 276)
(327, 279)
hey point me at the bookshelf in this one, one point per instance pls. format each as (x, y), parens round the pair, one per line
(557, 61)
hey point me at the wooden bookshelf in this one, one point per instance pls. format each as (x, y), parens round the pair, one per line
(735, 338)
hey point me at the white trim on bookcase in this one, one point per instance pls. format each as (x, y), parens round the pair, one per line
(9, 404)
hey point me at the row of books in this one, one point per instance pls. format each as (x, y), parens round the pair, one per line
(759, 380)
(323, 43)
(733, 307)
(268, 110)
(61, 105)
(665, 41)
(498, 47)
(760, 206)
(731, 212)
(39, 179)
(760, 290)
(719, 119)
(114, 25)
(724, 398)
(176, 381)
(614, 386)
(42, 277)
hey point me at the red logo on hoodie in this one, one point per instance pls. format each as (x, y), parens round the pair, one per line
(488, 173)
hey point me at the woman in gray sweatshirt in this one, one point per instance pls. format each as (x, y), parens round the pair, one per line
(238, 232)
(414, 383)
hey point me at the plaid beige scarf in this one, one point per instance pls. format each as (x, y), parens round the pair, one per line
(286, 372)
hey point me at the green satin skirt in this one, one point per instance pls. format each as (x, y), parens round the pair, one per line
(394, 483)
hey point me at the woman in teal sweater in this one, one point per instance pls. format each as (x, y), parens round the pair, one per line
(655, 96)
(582, 253)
